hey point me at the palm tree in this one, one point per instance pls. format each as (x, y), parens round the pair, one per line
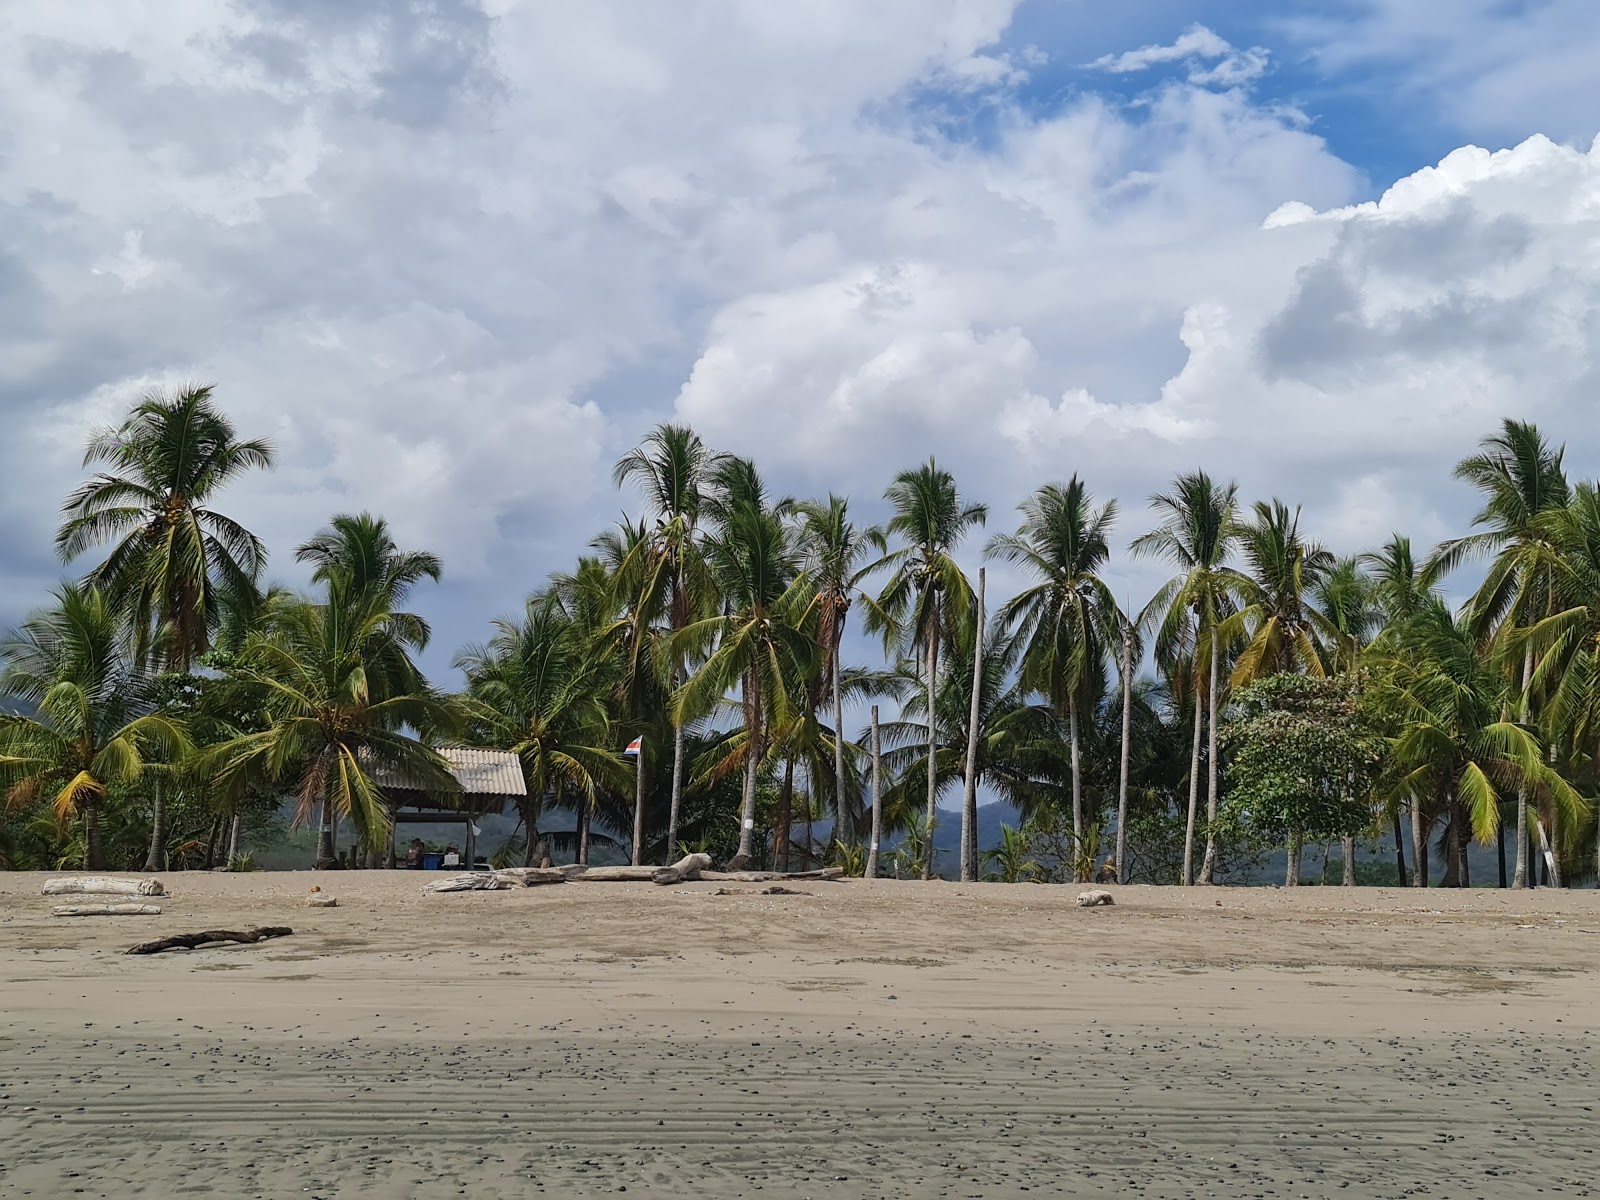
(173, 555)
(927, 586)
(1068, 620)
(832, 548)
(1454, 742)
(674, 469)
(1520, 476)
(536, 689)
(1198, 530)
(94, 726)
(1011, 861)
(1276, 618)
(756, 644)
(342, 698)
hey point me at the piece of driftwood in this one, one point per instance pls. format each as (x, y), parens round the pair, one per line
(130, 909)
(771, 876)
(98, 885)
(687, 867)
(534, 876)
(322, 902)
(193, 941)
(1095, 898)
(478, 881)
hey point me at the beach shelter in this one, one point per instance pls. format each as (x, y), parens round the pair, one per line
(488, 779)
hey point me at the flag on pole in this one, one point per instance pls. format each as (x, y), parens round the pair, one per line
(633, 748)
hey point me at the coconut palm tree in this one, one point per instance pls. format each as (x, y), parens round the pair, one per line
(832, 549)
(673, 469)
(1276, 619)
(1520, 476)
(927, 587)
(1198, 531)
(342, 698)
(94, 723)
(1068, 620)
(757, 645)
(172, 554)
(1454, 742)
(536, 689)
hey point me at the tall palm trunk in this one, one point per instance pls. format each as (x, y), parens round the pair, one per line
(784, 831)
(233, 840)
(1209, 862)
(1194, 796)
(933, 667)
(158, 828)
(1399, 851)
(1349, 848)
(842, 833)
(94, 854)
(677, 792)
(1077, 786)
(1419, 846)
(638, 806)
(327, 852)
(877, 800)
(1291, 876)
(1519, 878)
(747, 813)
(969, 797)
(1122, 774)
(583, 830)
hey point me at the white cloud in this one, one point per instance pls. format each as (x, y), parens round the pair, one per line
(1199, 45)
(454, 265)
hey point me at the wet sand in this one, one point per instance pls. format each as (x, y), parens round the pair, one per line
(872, 1040)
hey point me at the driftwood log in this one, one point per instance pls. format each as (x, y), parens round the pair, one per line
(771, 876)
(478, 881)
(129, 909)
(97, 885)
(193, 941)
(687, 867)
(534, 876)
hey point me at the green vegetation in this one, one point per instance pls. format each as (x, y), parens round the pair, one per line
(169, 703)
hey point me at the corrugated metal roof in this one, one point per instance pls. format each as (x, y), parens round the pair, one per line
(479, 772)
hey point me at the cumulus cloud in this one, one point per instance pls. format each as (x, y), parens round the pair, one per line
(1197, 47)
(454, 259)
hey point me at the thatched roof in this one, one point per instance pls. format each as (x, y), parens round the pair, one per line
(488, 778)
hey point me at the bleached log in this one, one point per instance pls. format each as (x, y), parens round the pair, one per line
(106, 910)
(478, 881)
(533, 876)
(193, 941)
(687, 867)
(322, 902)
(98, 885)
(770, 876)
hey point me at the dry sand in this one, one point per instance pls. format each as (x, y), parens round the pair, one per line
(872, 1040)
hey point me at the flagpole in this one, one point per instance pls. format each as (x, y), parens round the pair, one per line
(638, 806)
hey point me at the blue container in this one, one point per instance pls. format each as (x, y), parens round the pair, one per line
(432, 862)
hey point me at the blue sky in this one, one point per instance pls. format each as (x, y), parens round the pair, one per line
(455, 256)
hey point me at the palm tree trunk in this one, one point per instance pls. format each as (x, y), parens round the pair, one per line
(1194, 797)
(747, 812)
(784, 832)
(677, 791)
(94, 854)
(1399, 851)
(529, 849)
(638, 805)
(842, 831)
(1519, 878)
(1210, 859)
(583, 830)
(1419, 845)
(1077, 787)
(158, 828)
(233, 840)
(877, 800)
(1349, 847)
(327, 853)
(1122, 775)
(1552, 865)
(1500, 850)
(933, 667)
(1291, 876)
(969, 799)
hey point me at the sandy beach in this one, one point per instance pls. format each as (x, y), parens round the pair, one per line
(872, 1040)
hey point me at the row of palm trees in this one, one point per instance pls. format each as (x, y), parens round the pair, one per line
(170, 679)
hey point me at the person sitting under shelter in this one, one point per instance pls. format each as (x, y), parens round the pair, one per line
(414, 855)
